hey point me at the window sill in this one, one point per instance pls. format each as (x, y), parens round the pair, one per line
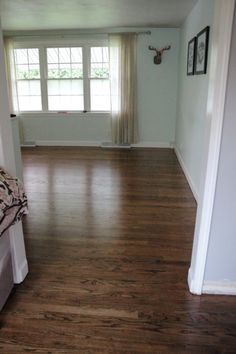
(65, 114)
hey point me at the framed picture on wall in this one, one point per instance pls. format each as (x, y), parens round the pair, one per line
(191, 56)
(202, 51)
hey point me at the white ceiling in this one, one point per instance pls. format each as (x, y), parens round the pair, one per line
(84, 14)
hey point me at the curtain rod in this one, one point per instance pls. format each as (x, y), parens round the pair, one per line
(140, 32)
(62, 35)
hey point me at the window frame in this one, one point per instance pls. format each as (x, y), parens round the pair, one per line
(16, 80)
(85, 43)
(90, 78)
(46, 79)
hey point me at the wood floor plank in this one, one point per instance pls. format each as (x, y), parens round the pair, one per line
(108, 239)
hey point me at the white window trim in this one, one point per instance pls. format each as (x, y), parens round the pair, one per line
(86, 43)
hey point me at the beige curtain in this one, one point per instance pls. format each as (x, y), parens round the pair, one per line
(123, 82)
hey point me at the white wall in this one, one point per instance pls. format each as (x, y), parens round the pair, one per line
(221, 257)
(192, 100)
(7, 158)
(7, 161)
(157, 99)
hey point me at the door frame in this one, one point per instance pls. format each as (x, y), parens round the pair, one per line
(221, 41)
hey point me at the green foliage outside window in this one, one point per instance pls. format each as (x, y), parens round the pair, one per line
(100, 73)
(65, 73)
(28, 74)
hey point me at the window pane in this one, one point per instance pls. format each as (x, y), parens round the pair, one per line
(100, 103)
(64, 93)
(53, 71)
(99, 54)
(100, 87)
(22, 71)
(52, 55)
(35, 88)
(99, 62)
(76, 71)
(64, 103)
(34, 71)
(23, 88)
(65, 71)
(96, 55)
(30, 103)
(100, 95)
(64, 55)
(27, 72)
(28, 79)
(28, 88)
(77, 87)
(53, 87)
(65, 87)
(99, 71)
(33, 56)
(27, 56)
(21, 56)
(76, 55)
(64, 63)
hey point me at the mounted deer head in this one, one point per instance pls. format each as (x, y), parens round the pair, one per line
(158, 57)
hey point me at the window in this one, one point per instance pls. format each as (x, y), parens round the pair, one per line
(99, 79)
(28, 79)
(65, 79)
(62, 78)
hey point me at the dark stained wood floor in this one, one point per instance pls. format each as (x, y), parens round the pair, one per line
(108, 240)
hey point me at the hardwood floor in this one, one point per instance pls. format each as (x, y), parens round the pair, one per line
(108, 240)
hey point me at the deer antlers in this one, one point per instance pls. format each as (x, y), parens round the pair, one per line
(158, 57)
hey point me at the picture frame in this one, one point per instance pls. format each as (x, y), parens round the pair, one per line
(191, 56)
(201, 55)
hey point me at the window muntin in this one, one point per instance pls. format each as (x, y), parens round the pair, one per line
(28, 79)
(99, 79)
(65, 79)
(64, 63)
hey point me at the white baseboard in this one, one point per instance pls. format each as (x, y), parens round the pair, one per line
(187, 175)
(96, 143)
(28, 144)
(67, 143)
(190, 281)
(110, 145)
(192, 284)
(219, 287)
(19, 260)
(21, 272)
(153, 144)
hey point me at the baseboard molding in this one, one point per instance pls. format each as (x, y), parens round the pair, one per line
(67, 143)
(19, 260)
(150, 144)
(21, 272)
(187, 175)
(190, 281)
(219, 288)
(109, 145)
(96, 143)
(28, 144)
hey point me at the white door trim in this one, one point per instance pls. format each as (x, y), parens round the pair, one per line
(221, 40)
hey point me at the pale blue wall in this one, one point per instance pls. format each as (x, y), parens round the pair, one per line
(221, 259)
(157, 87)
(193, 92)
(55, 127)
(157, 96)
